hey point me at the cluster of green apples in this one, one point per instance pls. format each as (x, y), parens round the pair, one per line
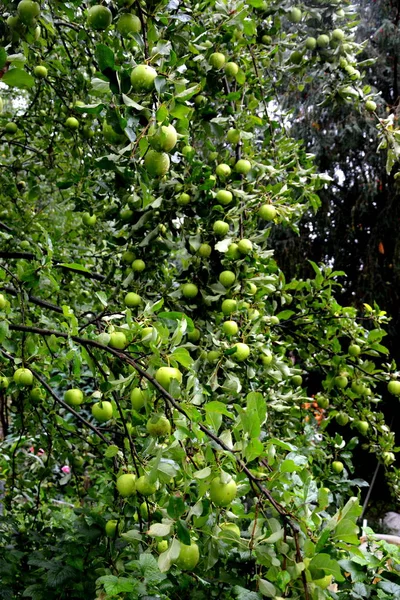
(24, 23)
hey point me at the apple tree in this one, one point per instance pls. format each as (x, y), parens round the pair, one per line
(178, 419)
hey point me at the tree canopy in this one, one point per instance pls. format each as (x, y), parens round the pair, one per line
(179, 419)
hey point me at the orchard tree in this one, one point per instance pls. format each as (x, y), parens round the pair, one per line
(178, 419)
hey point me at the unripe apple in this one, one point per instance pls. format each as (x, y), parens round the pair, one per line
(370, 106)
(266, 358)
(323, 41)
(311, 43)
(337, 466)
(4, 383)
(23, 377)
(341, 381)
(194, 336)
(200, 100)
(205, 249)
(224, 197)
(267, 212)
(3, 302)
(111, 528)
(229, 306)
(212, 356)
(132, 300)
(222, 494)
(128, 24)
(230, 327)
(220, 228)
(99, 17)
(162, 546)
(142, 78)
(118, 340)
(164, 376)
(362, 427)
(40, 72)
(245, 246)
(231, 69)
(145, 487)
(164, 139)
(217, 60)
(233, 136)
(354, 350)
(190, 290)
(73, 397)
(388, 458)
(28, 12)
(394, 387)
(72, 123)
(230, 527)
(11, 128)
(223, 170)
(156, 163)
(294, 15)
(297, 380)
(342, 418)
(36, 394)
(242, 352)
(338, 34)
(138, 265)
(251, 288)
(183, 199)
(188, 557)
(138, 398)
(158, 426)
(243, 166)
(88, 219)
(188, 152)
(233, 252)
(126, 485)
(227, 278)
(102, 411)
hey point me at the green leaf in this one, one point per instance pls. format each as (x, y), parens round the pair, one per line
(105, 57)
(182, 356)
(111, 451)
(176, 507)
(4, 331)
(159, 529)
(177, 316)
(267, 588)
(243, 594)
(325, 563)
(18, 78)
(167, 558)
(114, 585)
(3, 57)
(74, 266)
(183, 532)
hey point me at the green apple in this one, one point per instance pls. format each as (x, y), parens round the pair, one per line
(227, 278)
(132, 300)
(338, 34)
(251, 288)
(72, 123)
(147, 335)
(205, 249)
(156, 163)
(224, 197)
(36, 394)
(142, 78)
(266, 39)
(370, 106)
(242, 352)
(243, 166)
(164, 376)
(266, 358)
(337, 466)
(28, 12)
(222, 494)
(145, 487)
(194, 336)
(394, 387)
(162, 546)
(296, 57)
(118, 340)
(99, 17)
(231, 527)
(223, 171)
(267, 212)
(73, 397)
(40, 72)
(11, 128)
(342, 418)
(200, 100)
(322, 401)
(4, 383)
(111, 528)
(388, 458)
(128, 257)
(362, 427)
(233, 252)
(217, 60)
(138, 398)
(188, 152)
(230, 327)
(233, 136)
(188, 557)
(354, 350)
(127, 24)
(341, 381)
(138, 265)
(158, 426)
(245, 246)
(294, 15)
(23, 377)
(297, 380)
(88, 219)
(183, 199)
(220, 228)
(190, 290)
(126, 485)
(3, 302)
(323, 582)
(231, 69)
(102, 411)
(311, 43)
(144, 511)
(229, 306)
(213, 356)
(164, 139)
(323, 41)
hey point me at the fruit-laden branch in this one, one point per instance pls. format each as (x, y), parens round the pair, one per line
(57, 399)
(126, 358)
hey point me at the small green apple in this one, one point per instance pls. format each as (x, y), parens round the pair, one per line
(223, 171)
(220, 228)
(128, 24)
(245, 246)
(156, 163)
(224, 197)
(230, 327)
(138, 265)
(102, 411)
(231, 69)
(142, 78)
(118, 340)
(267, 212)
(354, 350)
(164, 139)
(132, 300)
(243, 166)
(205, 250)
(111, 528)
(229, 306)
(394, 387)
(23, 377)
(242, 352)
(40, 72)
(217, 60)
(337, 466)
(126, 485)
(72, 123)
(222, 494)
(158, 426)
(188, 557)
(99, 17)
(190, 290)
(164, 376)
(73, 397)
(145, 487)
(227, 278)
